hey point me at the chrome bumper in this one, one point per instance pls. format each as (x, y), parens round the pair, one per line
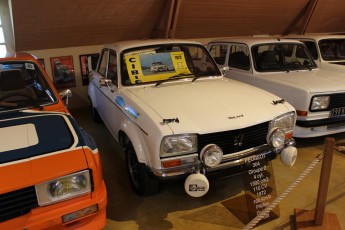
(228, 161)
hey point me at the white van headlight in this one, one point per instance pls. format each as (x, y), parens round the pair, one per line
(63, 188)
(319, 103)
(178, 145)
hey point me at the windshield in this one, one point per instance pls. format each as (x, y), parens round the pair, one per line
(158, 63)
(281, 57)
(22, 85)
(332, 49)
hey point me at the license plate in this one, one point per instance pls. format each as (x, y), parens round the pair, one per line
(336, 112)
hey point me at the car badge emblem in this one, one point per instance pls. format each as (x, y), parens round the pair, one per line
(169, 120)
(281, 101)
(238, 140)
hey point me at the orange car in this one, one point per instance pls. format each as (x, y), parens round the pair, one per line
(50, 169)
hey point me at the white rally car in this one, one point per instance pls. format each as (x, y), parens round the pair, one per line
(188, 120)
(285, 68)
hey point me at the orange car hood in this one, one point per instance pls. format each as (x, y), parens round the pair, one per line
(36, 147)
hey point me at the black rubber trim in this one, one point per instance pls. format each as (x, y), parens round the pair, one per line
(321, 122)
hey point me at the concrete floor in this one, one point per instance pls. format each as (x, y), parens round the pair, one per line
(172, 208)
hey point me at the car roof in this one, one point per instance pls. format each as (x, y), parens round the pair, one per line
(315, 36)
(16, 56)
(250, 41)
(123, 45)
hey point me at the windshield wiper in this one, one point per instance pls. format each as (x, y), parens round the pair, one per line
(6, 104)
(20, 105)
(178, 76)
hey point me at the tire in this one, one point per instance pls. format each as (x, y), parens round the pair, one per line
(95, 115)
(143, 183)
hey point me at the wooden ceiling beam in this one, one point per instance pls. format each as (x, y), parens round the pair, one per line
(309, 13)
(173, 17)
(301, 22)
(165, 26)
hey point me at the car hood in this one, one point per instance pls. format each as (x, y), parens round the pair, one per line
(315, 81)
(208, 105)
(36, 147)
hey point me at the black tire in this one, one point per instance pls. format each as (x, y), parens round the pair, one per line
(143, 183)
(95, 115)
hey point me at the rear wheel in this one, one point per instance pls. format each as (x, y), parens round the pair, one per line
(143, 183)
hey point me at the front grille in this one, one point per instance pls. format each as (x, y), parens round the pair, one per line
(236, 140)
(337, 100)
(17, 203)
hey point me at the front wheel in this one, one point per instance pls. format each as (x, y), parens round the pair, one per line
(143, 183)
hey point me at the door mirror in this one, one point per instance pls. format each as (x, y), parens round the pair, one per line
(65, 94)
(224, 70)
(104, 82)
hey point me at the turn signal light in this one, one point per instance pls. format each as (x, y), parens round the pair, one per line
(288, 135)
(171, 163)
(302, 113)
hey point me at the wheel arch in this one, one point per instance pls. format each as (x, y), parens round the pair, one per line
(129, 133)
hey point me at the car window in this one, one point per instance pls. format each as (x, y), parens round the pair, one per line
(239, 57)
(103, 64)
(332, 49)
(300, 52)
(312, 49)
(218, 52)
(22, 84)
(156, 63)
(112, 67)
(281, 57)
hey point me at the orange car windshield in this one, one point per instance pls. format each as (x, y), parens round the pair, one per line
(22, 85)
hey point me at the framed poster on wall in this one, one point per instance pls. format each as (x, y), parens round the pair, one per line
(84, 67)
(41, 61)
(63, 72)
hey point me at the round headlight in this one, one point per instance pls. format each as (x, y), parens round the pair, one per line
(276, 138)
(211, 155)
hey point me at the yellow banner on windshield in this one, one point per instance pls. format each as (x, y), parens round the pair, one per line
(151, 67)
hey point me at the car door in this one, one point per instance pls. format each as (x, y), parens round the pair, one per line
(110, 111)
(106, 81)
(98, 76)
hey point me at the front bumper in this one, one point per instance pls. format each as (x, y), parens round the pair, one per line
(321, 122)
(50, 217)
(243, 158)
(320, 127)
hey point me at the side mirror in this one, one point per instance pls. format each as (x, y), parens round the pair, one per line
(225, 69)
(104, 82)
(65, 94)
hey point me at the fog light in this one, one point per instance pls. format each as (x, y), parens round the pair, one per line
(80, 213)
(288, 156)
(211, 155)
(276, 138)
